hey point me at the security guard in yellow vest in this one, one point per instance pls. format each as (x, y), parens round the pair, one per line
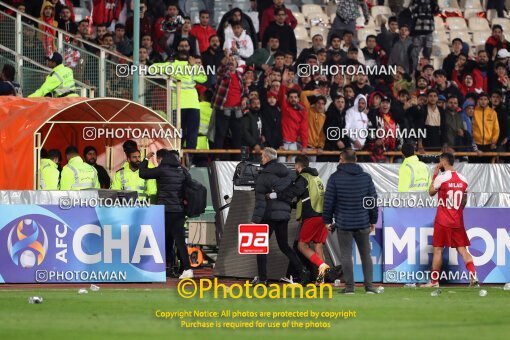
(49, 174)
(127, 177)
(60, 82)
(186, 69)
(205, 119)
(77, 175)
(413, 174)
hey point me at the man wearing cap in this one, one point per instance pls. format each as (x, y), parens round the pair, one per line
(503, 56)
(485, 124)
(59, 83)
(413, 174)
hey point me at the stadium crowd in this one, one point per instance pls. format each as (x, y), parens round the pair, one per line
(256, 98)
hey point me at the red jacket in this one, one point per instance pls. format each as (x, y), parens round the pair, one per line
(478, 82)
(202, 34)
(268, 17)
(105, 11)
(294, 121)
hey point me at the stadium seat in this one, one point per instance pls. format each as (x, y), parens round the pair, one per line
(243, 5)
(293, 7)
(439, 37)
(504, 22)
(300, 18)
(440, 25)
(471, 4)
(440, 50)
(385, 10)
(363, 33)
(469, 13)
(301, 33)
(307, 10)
(318, 16)
(302, 44)
(480, 37)
(195, 16)
(218, 15)
(445, 4)
(478, 24)
(462, 34)
(454, 23)
(319, 30)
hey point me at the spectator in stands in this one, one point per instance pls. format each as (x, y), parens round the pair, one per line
(203, 31)
(65, 23)
(143, 56)
(83, 29)
(294, 118)
(184, 33)
(348, 43)
(105, 12)
(441, 102)
(454, 124)
(262, 5)
(251, 126)
(383, 120)
(270, 15)
(212, 57)
(122, 43)
(485, 125)
(446, 88)
(335, 43)
(165, 29)
(499, 6)
(8, 87)
(334, 123)
(422, 15)
(101, 31)
(387, 38)
(48, 35)
(90, 157)
(370, 53)
(347, 11)
(271, 121)
(236, 15)
(400, 53)
(288, 59)
(401, 81)
(348, 93)
(59, 7)
(108, 43)
(72, 55)
(356, 122)
(362, 86)
(147, 43)
(496, 42)
(451, 59)
(60, 82)
(240, 43)
(146, 21)
(263, 58)
(496, 103)
(483, 66)
(317, 44)
(227, 102)
(463, 68)
(282, 31)
(467, 114)
(316, 119)
(432, 118)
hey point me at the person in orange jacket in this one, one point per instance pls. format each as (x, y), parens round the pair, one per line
(485, 125)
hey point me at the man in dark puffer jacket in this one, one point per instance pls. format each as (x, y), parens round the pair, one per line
(347, 192)
(171, 178)
(275, 213)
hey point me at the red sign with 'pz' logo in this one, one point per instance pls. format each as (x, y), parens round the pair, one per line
(253, 239)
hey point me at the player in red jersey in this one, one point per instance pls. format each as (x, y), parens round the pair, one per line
(449, 223)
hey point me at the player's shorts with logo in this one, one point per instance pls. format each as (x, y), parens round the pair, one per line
(449, 237)
(313, 230)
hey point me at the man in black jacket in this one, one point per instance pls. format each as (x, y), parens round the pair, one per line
(433, 120)
(271, 121)
(171, 179)
(350, 200)
(275, 213)
(309, 189)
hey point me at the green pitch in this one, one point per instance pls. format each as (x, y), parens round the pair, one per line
(398, 313)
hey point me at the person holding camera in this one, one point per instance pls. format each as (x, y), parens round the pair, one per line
(274, 176)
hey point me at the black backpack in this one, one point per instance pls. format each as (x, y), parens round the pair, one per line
(195, 195)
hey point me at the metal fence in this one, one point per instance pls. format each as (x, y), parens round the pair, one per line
(25, 42)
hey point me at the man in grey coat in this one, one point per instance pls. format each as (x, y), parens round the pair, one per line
(400, 53)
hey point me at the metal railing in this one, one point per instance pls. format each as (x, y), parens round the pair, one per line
(25, 45)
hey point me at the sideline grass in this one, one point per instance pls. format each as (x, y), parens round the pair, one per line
(398, 313)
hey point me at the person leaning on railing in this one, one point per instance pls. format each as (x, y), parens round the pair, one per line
(59, 83)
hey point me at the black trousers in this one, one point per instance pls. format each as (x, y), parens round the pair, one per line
(281, 231)
(362, 238)
(174, 232)
(223, 124)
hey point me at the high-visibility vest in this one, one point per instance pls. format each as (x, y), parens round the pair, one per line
(316, 191)
(78, 175)
(127, 179)
(59, 83)
(189, 77)
(48, 175)
(413, 175)
(205, 118)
